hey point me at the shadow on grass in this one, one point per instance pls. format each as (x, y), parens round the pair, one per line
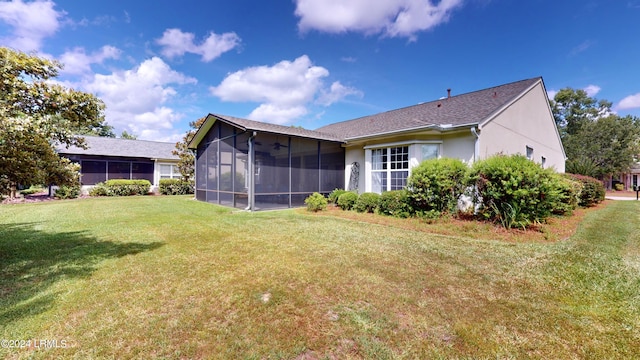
(32, 260)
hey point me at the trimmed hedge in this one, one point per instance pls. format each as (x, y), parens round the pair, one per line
(67, 192)
(121, 187)
(514, 191)
(367, 202)
(175, 187)
(347, 200)
(316, 202)
(593, 190)
(335, 194)
(436, 185)
(395, 203)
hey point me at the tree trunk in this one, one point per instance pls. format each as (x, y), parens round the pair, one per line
(13, 191)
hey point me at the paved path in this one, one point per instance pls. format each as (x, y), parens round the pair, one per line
(620, 198)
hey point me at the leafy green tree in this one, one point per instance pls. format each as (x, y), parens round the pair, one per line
(597, 142)
(608, 145)
(35, 116)
(126, 135)
(187, 158)
(574, 108)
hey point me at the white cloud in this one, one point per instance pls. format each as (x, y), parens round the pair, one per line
(337, 92)
(630, 102)
(284, 89)
(592, 90)
(175, 42)
(551, 94)
(395, 18)
(77, 61)
(31, 23)
(135, 99)
(277, 114)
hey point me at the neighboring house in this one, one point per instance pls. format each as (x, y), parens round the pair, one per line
(630, 180)
(255, 165)
(109, 158)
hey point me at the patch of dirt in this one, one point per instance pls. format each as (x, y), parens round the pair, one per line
(37, 197)
(555, 229)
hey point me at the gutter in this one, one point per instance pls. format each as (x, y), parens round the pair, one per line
(476, 148)
(441, 128)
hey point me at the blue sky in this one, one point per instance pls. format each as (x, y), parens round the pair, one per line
(159, 65)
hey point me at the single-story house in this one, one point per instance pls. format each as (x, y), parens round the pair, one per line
(255, 165)
(629, 179)
(110, 158)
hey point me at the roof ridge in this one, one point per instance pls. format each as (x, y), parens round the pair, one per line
(117, 138)
(430, 101)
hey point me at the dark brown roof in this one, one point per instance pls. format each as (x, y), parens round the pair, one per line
(465, 109)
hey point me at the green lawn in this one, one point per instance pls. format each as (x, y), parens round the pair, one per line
(169, 277)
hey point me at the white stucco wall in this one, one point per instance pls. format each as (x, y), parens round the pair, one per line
(459, 146)
(354, 154)
(526, 122)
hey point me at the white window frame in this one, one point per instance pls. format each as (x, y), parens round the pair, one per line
(174, 173)
(414, 158)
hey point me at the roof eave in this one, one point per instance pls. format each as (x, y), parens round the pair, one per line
(440, 128)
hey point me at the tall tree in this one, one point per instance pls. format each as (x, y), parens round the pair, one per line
(597, 142)
(37, 115)
(187, 158)
(574, 108)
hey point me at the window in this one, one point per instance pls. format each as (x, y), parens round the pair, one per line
(429, 151)
(530, 153)
(168, 171)
(389, 168)
(543, 161)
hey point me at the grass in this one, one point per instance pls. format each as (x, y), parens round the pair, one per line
(168, 277)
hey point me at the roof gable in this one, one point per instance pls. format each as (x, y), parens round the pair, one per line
(251, 125)
(106, 146)
(460, 110)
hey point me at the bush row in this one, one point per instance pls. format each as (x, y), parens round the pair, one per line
(176, 187)
(591, 191)
(510, 190)
(121, 187)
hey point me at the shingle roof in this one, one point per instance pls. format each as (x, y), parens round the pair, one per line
(277, 129)
(465, 109)
(251, 125)
(106, 146)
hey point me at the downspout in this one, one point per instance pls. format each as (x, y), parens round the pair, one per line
(476, 147)
(252, 174)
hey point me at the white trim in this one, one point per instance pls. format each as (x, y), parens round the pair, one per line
(402, 143)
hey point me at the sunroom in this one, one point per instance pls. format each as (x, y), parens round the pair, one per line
(258, 166)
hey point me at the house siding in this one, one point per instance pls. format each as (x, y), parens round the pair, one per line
(524, 123)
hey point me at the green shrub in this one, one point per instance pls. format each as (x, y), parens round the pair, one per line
(569, 196)
(514, 191)
(395, 203)
(67, 192)
(592, 192)
(367, 202)
(618, 187)
(437, 184)
(99, 189)
(347, 200)
(33, 190)
(175, 187)
(335, 194)
(121, 187)
(316, 202)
